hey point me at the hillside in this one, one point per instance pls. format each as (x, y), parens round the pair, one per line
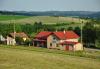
(11, 17)
(90, 14)
(24, 58)
(33, 19)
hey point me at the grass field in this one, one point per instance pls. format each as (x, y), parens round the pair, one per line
(40, 58)
(33, 19)
(11, 17)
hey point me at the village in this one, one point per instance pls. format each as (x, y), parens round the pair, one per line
(61, 40)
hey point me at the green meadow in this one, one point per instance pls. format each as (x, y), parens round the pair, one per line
(11, 17)
(19, 57)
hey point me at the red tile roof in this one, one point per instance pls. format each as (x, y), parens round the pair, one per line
(43, 35)
(66, 35)
(60, 35)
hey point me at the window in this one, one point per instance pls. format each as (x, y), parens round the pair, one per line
(50, 44)
(54, 38)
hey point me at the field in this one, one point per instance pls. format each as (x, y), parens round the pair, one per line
(11, 17)
(33, 19)
(39, 58)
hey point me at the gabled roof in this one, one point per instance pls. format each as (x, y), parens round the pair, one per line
(66, 35)
(20, 34)
(60, 35)
(43, 35)
(71, 34)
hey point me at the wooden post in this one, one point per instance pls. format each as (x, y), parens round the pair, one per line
(14, 32)
(82, 32)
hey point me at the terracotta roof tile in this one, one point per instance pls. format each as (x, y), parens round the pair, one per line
(66, 35)
(60, 35)
(43, 34)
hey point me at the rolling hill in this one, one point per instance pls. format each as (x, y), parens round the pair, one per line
(33, 19)
(84, 14)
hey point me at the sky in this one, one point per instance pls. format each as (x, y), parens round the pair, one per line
(50, 5)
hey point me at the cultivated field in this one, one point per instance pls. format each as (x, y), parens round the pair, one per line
(33, 19)
(40, 58)
(11, 17)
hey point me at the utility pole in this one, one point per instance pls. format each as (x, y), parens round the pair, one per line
(82, 34)
(81, 21)
(14, 32)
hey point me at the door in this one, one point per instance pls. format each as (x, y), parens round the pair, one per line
(66, 47)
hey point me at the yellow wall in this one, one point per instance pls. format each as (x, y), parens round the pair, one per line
(78, 46)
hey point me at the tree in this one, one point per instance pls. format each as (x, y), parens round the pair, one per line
(70, 28)
(98, 37)
(89, 35)
(19, 40)
(77, 30)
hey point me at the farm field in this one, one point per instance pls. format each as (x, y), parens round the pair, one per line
(33, 19)
(11, 17)
(40, 58)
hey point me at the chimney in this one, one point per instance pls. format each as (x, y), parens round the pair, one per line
(64, 32)
(56, 30)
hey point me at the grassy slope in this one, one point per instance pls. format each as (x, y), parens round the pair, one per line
(44, 19)
(19, 58)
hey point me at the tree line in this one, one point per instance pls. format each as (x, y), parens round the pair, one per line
(91, 33)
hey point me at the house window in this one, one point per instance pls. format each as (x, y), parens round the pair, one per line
(50, 44)
(54, 38)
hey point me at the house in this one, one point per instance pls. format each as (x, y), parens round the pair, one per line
(66, 40)
(41, 39)
(2, 39)
(12, 41)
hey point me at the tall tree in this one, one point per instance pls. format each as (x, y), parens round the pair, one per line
(89, 34)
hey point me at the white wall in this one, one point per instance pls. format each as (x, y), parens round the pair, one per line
(53, 41)
(10, 41)
(72, 40)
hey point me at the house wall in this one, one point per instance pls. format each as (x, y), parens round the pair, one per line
(52, 42)
(78, 46)
(10, 41)
(62, 47)
(72, 40)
